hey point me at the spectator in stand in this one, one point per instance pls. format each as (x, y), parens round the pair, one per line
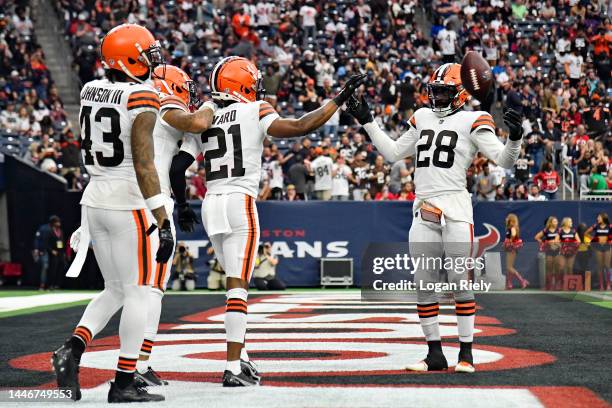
(597, 183)
(297, 176)
(361, 168)
(447, 39)
(401, 173)
(385, 195)
(522, 167)
(291, 193)
(308, 15)
(407, 192)
(342, 175)
(322, 168)
(485, 188)
(379, 175)
(548, 181)
(534, 194)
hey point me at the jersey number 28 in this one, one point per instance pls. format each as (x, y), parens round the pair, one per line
(238, 169)
(111, 117)
(436, 158)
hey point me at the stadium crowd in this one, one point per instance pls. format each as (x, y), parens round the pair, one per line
(33, 122)
(551, 61)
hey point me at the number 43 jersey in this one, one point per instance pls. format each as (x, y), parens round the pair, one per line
(232, 147)
(108, 110)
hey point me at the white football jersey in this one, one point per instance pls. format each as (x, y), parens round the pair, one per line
(444, 148)
(108, 110)
(232, 147)
(322, 167)
(166, 139)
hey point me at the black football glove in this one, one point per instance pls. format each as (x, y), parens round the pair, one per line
(513, 120)
(166, 243)
(359, 109)
(349, 88)
(187, 218)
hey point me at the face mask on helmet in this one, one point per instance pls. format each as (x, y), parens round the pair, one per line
(153, 58)
(441, 97)
(193, 93)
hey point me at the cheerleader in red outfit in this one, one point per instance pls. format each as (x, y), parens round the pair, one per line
(549, 244)
(512, 244)
(601, 238)
(569, 246)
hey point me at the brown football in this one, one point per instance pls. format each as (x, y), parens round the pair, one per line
(476, 75)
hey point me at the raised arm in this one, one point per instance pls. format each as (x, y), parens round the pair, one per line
(392, 150)
(194, 122)
(285, 128)
(488, 143)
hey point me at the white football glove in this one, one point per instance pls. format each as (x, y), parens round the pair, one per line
(75, 239)
(209, 105)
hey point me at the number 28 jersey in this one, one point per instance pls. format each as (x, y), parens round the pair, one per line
(233, 146)
(108, 110)
(444, 148)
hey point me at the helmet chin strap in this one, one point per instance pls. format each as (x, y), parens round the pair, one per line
(127, 72)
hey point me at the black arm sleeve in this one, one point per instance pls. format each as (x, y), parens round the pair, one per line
(180, 163)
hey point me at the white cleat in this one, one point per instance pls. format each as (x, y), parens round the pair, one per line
(464, 367)
(420, 366)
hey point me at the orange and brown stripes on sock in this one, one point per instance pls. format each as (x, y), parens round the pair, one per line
(83, 333)
(147, 346)
(126, 364)
(428, 309)
(465, 307)
(236, 305)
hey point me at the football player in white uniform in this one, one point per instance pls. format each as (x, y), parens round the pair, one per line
(176, 121)
(444, 139)
(232, 150)
(121, 206)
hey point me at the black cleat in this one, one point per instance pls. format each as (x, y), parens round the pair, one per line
(131, 393)
(241, 380)
(249, 368)
(149, 378)
(435, 361)
(67, 371)
(465, 362)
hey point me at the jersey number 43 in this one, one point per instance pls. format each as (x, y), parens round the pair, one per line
(112, 136)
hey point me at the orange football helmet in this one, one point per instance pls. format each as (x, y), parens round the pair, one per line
(175, 81)
(445, 90)
(235, 79)
(132, 49)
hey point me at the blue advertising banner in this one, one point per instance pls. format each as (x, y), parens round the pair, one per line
(303, 232)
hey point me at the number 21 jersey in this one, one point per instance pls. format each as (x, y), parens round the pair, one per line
(232, 147)
(108, 110)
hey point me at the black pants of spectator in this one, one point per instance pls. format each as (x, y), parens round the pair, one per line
(269, 284)
(57, 266)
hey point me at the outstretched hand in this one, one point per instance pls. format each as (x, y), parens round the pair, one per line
(359, 109)
(513, 120)
(349, 88)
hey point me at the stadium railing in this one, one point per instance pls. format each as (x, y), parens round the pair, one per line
(598, 195)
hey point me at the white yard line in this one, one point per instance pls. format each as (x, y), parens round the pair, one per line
(12, 303)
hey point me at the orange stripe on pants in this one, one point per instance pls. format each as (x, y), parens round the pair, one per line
(144, 247)
(249, 250)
